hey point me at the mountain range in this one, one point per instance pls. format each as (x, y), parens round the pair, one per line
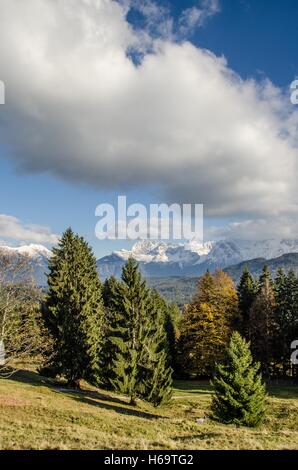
(38, 257)
(174, 262)
(159, 259)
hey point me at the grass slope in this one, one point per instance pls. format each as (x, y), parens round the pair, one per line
(38, 414)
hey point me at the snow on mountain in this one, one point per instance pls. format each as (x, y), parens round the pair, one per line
(227, 252)
(33, 251)
(38, 258)
(149, 251)
(160, 259)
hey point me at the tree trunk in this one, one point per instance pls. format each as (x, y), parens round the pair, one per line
(133, 401)
(74, 383)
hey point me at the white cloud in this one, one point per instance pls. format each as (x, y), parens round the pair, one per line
(157, 21)
(196, 16)
(182, 120)
(266, 228)
(13, 228)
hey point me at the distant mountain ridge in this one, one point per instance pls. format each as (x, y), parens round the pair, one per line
(38, 259)
(159, 259)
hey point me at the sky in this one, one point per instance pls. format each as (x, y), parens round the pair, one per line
(161, 101)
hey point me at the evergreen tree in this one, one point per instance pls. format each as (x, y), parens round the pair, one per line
(246, 295)
(110, 289)
(156, 373)
(262, 325)
(286, 289)
(108, 292)
(141, 364)
(73, 310)
(239, 392)
(206, 325)
(170, 316)
(265, 278)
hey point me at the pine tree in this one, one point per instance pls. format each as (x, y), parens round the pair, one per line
(170, 317)
(73, 311)
(206, 325)
(246, 295)
(110, 288)
(286, 290)
(265, 278)
(108, 292)
(239, 392)
(140, 366)
(262, 324)
(156, 373)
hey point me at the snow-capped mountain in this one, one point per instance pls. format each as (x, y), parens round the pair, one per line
(159, 259)
(38, 258)
(148, 251)
(33, 251)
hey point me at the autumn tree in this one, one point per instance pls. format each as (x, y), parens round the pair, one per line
(207, 323)
(21, 330)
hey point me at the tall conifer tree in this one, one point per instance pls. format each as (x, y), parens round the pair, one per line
(73, 310)
(246, 295)
(140, 365)
(262, 324)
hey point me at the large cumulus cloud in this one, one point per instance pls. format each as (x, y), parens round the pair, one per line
(78, 107)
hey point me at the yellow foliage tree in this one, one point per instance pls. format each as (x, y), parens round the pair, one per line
(207, 324)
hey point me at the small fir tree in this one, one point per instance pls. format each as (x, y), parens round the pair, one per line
(239, 392)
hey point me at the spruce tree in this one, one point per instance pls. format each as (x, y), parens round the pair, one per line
(140, 366)
(265, 278)
(239, 392)
(262, 325)
(73, 310)
(156, 373)
(246, 295)
(286, 290)
(170, 317)
(110, 290)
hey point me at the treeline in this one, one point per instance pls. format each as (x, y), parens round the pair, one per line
(118, 335)
(124, 336)
(264, 311)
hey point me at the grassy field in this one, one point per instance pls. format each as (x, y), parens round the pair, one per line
(38, 414)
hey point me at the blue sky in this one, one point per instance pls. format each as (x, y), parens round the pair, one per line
(258, 38)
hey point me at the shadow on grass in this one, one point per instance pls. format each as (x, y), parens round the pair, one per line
(33, 378)
(201, 437)
(101, 401)
(89, 397)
